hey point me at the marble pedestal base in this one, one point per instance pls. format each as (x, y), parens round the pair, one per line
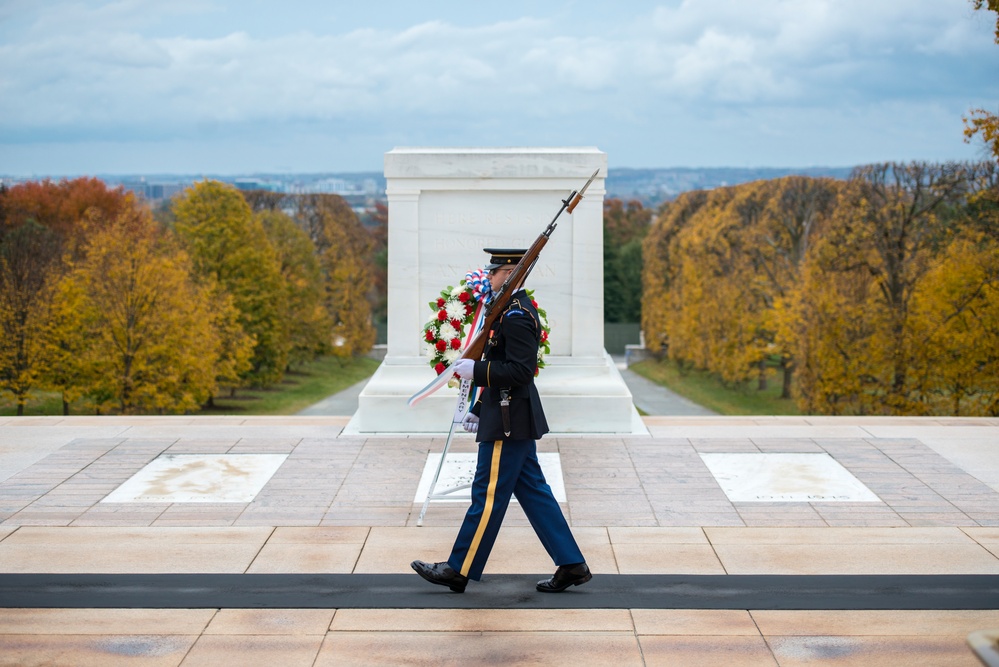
(579, 395)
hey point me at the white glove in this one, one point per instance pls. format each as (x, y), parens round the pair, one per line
(464, 368)
(470, 423)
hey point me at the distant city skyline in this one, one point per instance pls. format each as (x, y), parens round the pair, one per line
(649, 186)
(93, 87)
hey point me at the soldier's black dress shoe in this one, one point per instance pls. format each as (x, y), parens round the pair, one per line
(441, 574)
(565, 576)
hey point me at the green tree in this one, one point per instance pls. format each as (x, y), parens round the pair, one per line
(625, 227)
(229, 247)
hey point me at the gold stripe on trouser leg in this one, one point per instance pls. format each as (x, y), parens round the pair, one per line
(487, 510)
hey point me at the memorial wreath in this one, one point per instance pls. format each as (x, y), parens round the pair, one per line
(454, 310)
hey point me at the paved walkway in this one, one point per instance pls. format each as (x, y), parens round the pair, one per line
(639, 506)
(655, 400)
(342, 404)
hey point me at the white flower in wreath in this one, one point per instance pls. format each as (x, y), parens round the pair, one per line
(429, 351)
(455, 310)
(451, 356)
(456, 291)
(447, 332)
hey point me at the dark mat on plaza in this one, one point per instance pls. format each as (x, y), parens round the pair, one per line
(504, 591)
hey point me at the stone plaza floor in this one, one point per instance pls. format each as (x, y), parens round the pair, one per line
(876, 498)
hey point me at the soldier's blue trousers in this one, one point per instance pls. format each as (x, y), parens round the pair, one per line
(505, 468)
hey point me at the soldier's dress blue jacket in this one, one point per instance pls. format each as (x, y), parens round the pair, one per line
(508, 465)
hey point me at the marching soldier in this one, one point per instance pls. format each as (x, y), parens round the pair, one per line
(508, 419)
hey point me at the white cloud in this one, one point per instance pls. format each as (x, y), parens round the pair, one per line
(188, 69)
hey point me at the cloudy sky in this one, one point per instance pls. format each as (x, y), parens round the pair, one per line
(242, 86)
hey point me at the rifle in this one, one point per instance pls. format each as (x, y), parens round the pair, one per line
(476, 347)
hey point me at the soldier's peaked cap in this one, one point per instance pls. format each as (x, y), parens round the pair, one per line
(503, 257)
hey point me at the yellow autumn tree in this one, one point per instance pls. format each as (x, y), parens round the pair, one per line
(834, 324)
(956, 310)
(146, 341)
(716, 310)
(746, 336)
(345, 253)
(229, 248)
(39, 224)
(956, 321)
(63, 341)
(716, 303)
(661, 269)
(878, 292)
(28, 255)
(796, 210)
(889, 223)
(309, 322)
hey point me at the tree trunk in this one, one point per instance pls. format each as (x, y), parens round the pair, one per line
(785, 391)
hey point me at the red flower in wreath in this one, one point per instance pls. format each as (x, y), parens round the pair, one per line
(454, 309)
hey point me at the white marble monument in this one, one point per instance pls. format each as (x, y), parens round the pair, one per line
(446, 205)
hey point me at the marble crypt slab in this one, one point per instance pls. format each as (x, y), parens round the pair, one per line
(195, 478)
(459, 469)
(790, 477)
